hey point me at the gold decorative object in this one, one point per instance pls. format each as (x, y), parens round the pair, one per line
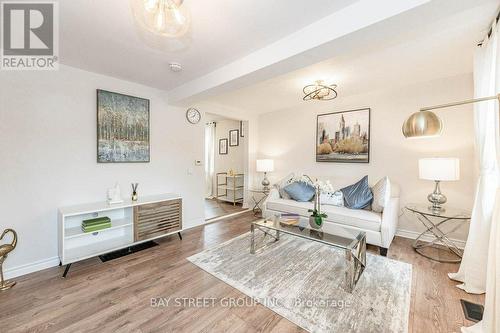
(134, 191)
(5, 249)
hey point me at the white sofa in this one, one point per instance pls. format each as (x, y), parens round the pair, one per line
(380, 228)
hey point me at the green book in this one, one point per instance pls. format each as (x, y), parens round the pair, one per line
(97, 220)
(105, 224)
(95, 228)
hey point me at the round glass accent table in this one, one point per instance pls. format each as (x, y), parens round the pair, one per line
(434, 222)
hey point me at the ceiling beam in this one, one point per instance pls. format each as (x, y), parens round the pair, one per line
(355, 17)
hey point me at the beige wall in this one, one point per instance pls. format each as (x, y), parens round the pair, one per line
(288, 137)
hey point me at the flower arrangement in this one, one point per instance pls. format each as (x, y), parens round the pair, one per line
(316, 218)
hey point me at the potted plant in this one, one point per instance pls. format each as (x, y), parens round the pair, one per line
(316, 218)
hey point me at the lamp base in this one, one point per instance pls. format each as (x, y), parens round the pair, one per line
(437, 199)
(265, 182)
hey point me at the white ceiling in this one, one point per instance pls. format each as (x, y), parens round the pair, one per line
(443, 48)
(101, 36)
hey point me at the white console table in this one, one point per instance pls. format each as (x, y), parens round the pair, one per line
(132, 222)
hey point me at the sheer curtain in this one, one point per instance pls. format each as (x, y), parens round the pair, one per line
(209, 159)
(472, 270)
(480, 269)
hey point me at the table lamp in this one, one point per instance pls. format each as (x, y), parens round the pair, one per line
(265, 166)
(438, 170)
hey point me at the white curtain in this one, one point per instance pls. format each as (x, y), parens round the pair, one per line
(480, 268)
(472, 270)
(209, 159)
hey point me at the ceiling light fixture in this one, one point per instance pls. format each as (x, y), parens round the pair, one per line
(319, 91)
(175, 67)
(167, 18)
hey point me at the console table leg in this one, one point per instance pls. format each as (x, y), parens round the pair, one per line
(180, 236)
(66, 270)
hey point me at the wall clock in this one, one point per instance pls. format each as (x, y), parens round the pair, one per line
(193, 116)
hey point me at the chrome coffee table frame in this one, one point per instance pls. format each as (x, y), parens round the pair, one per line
(354, 248)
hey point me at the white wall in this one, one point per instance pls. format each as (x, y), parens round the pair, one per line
(48, 156)
(251, 140)
(288, 136)
(235, 155)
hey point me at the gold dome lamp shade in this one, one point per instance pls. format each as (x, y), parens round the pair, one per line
(422, 124)
(425, 123)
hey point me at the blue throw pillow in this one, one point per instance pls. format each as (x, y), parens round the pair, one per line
(359, 195)
(300, 191)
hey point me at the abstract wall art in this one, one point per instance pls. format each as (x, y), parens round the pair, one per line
(122, 128)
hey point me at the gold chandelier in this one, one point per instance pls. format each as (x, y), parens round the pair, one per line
(319, 91)
(167, 18)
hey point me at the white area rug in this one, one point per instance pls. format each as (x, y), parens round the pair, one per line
(303, 282)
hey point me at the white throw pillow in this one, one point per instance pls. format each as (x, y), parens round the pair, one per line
(281, 184)
(332, 198)
(381, 193)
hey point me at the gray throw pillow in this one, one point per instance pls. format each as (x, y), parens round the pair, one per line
(359, 195)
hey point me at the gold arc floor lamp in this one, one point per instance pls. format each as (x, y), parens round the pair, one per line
(426, 123)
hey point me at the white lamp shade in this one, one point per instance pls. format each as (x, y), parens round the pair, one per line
(265, 165)
(442, 169)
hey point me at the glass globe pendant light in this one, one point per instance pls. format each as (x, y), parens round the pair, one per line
(169, 18)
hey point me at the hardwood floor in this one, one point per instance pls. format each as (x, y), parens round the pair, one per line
(116, 296)
(215, 208)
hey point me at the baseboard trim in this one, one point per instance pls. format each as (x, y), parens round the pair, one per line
(215, 219)
(414, 234)
(31, 267)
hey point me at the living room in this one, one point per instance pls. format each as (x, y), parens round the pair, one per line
(250, 166)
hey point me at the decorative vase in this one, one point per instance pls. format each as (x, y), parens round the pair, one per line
(134, 191)
(316, 222)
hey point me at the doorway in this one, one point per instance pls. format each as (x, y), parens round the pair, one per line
(225, 150)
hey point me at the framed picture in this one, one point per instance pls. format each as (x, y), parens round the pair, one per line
(234, 138)
(343, 136)
(122, 128)
(223, 147)
(242, 129)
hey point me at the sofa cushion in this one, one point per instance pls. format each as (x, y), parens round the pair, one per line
(335, 198)
(300, 191)
(358, 195)
(381, 194)
(280, 185)
(362, 219)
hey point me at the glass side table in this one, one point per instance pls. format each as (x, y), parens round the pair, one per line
(261, 196)
(434, 221)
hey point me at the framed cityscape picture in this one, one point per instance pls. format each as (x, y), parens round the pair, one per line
(223, 147)
(343, 136)
(234, 138)
(122, 128)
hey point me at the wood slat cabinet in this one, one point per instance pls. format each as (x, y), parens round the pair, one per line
(156, 219)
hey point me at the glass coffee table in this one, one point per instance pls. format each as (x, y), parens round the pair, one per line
(352, 243)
